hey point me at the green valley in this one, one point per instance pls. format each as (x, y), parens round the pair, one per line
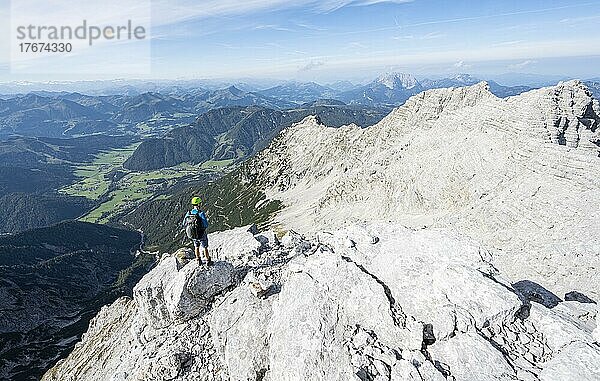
(117, 190)
(95, 176)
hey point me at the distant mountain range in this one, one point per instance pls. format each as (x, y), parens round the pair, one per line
(300, 91)
(389, 90)
(175, 104)
(131, 87)
(238, 132)
(34, 115)
(468, 80)
(528, 79)
(74, 114)
(136, 87)
(393, 89)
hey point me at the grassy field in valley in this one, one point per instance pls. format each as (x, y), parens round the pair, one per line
(94, 182)
(118, 190)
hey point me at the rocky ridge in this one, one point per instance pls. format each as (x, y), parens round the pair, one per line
(368, 302)
(518, 174)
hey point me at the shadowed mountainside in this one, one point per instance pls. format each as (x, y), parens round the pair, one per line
(52, 281)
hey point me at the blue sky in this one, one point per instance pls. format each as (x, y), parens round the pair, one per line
(345, 39)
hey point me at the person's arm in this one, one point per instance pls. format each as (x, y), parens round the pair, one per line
(204, 219)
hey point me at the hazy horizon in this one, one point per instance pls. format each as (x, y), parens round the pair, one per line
(325, 41)
(532, 80)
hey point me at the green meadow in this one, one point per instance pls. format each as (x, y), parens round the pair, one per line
(116, 195)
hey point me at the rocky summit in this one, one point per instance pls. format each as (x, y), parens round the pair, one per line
(368, 302)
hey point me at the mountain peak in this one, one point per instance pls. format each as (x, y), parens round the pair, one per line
(234, 91)
(314, 120)
(431, 103)
(467, 79)
(397, 80)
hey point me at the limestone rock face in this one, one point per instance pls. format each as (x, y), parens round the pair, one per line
(408, 305)
(238, 246)
(518, 174)
(578, 361)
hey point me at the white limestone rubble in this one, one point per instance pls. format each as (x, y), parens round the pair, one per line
(414, 305)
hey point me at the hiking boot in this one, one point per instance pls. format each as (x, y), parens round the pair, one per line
(209, 262)
(199, 262)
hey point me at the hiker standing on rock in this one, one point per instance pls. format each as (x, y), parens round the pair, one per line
(196, 224)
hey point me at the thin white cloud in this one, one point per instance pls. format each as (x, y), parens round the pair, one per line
(433, 35)
(296, 53)
(309, 26)
(529, 52)
(331, 5)
(173, 12)
(464, 19)
(227, 46)
(521, 65)
(428, 36)
(274, 45)
(524, 28)
(509, 43)
(312, 65)
(572, 21)
(168, 12)
(404, 37)
(275, 66)
(275, 27)
(461, 65)
(355, 45)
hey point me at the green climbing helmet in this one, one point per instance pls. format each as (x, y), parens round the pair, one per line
(196, 201)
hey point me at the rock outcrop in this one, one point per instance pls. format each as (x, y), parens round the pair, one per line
(368, 302)
(518, 174)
